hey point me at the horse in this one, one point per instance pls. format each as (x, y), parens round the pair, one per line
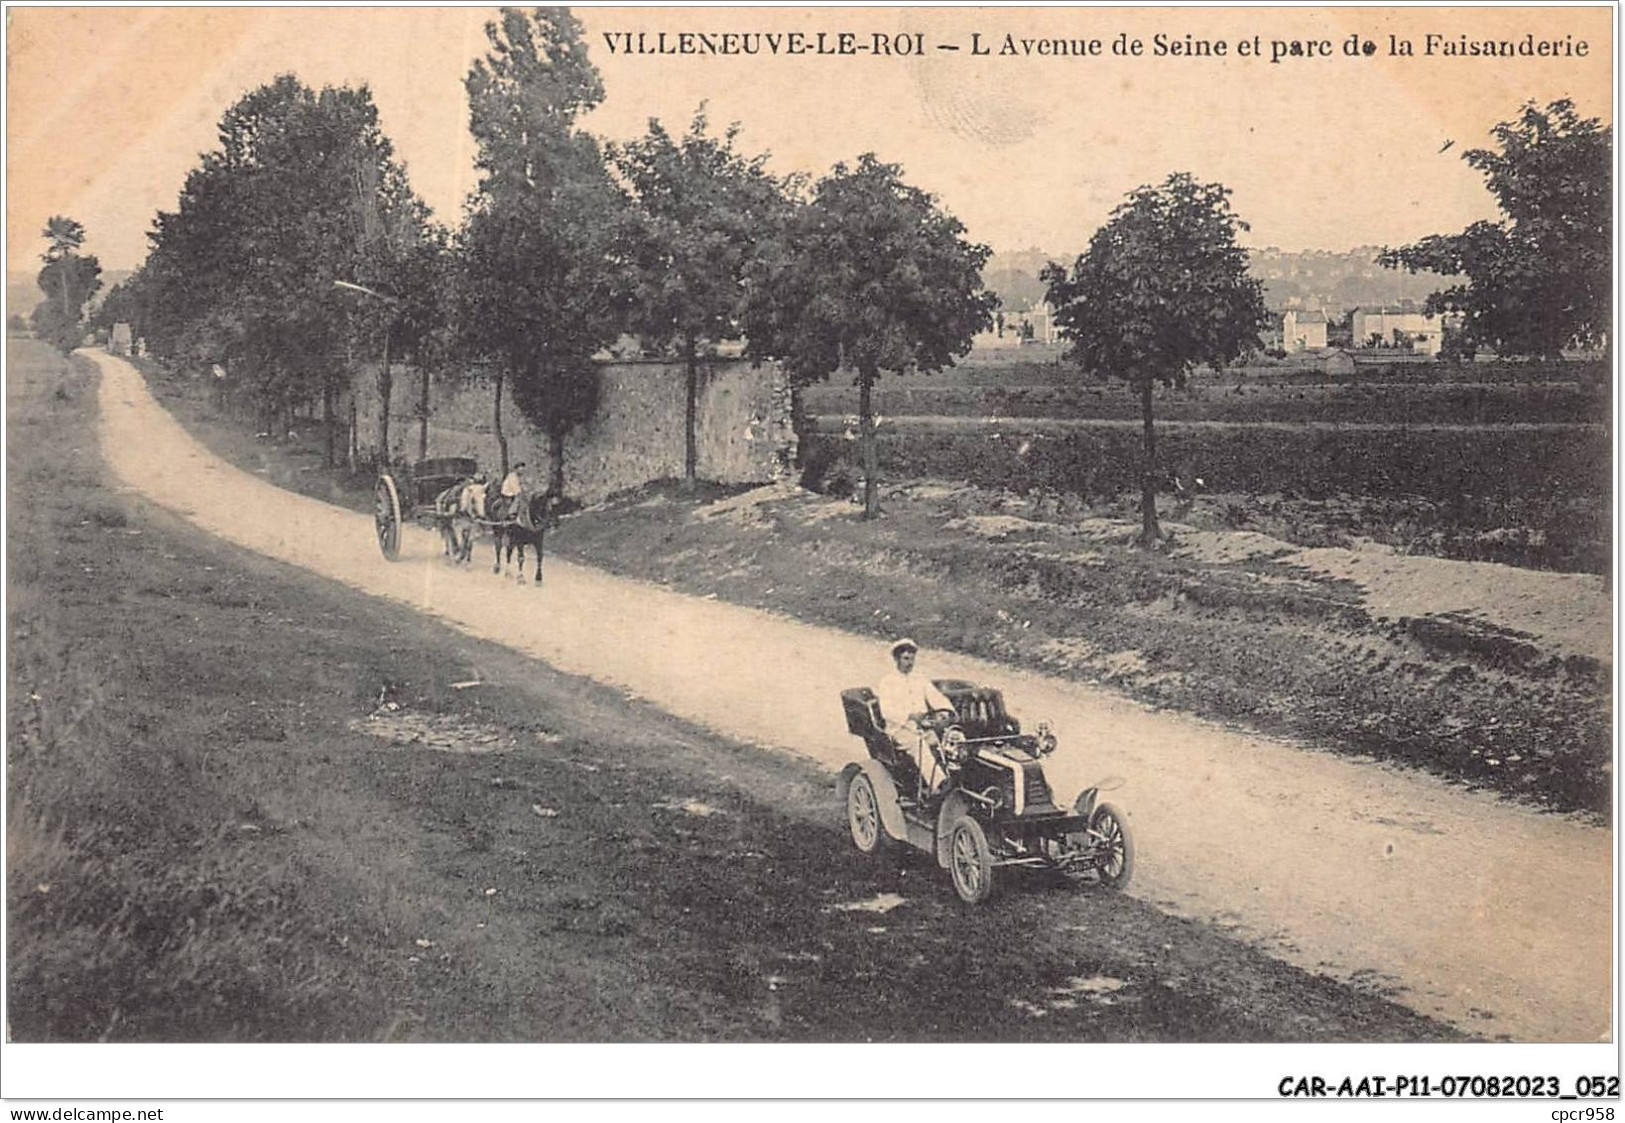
(523, 521)
(458, 509)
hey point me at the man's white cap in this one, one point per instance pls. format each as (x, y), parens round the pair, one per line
(904, 644)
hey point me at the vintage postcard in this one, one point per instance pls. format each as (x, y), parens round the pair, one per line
(614, 530)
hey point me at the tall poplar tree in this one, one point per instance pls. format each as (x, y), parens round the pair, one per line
(69, 279)
(542, 276)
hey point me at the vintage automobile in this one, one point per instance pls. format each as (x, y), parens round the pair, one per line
(996, 809)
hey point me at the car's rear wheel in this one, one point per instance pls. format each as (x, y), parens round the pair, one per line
(863, 815)
(970, 861)
(1114, 847)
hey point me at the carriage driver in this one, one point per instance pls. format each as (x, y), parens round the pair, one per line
(906, 699)
(513, 484)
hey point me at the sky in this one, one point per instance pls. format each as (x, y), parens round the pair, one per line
(108, 109)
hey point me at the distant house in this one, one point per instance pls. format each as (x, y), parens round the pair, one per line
(1033, 325)
(1041, 320)
(1297, 329)
(1303, 330)
(1404, 325)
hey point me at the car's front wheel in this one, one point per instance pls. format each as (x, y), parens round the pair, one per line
(863, 815)
(970, 861)
(1114, 847)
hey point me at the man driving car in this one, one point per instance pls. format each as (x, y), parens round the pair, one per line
(907, 700)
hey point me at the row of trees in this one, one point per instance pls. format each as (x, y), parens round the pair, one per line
(298, 250)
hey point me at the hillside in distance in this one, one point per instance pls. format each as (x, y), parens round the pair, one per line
(22, 294)
(1336, 280)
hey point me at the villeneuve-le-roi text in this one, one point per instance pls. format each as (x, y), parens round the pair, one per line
(913, 44)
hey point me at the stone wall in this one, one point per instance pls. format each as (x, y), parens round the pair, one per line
(743, 431)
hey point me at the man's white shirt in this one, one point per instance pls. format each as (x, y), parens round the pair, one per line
(901, 695)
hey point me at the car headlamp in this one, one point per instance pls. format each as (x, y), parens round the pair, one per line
(1046, 739)
(953, 743)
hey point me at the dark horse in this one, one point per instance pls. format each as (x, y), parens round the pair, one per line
(524, 520)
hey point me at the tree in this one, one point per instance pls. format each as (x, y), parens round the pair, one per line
(1540, 279)
(424, 274)
(400, 262)
(702, 211)
(870, 275)
(542, 283)
(1162, 287)
(303, 191)
(69, 279)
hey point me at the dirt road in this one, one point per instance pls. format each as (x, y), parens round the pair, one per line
(1488, 915)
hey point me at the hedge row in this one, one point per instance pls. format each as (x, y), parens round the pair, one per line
(1519, 465)
(1234, 401)
(1004, 372)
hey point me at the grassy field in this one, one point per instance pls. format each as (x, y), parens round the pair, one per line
(245, 804)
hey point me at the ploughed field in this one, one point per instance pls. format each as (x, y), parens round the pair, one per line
(1500, 462)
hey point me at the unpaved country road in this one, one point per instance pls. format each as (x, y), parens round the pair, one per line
(1490, 916)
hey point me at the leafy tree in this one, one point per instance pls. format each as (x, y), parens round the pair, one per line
(703, 210)
(1162, 287)
(1540, 279)
(69, 279)
(870, 275)
(542, 283)
(302, 192)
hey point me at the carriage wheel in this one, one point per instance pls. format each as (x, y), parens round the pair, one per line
(386, 516)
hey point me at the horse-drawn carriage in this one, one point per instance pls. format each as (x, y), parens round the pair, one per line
(414, 497)
(450, 495)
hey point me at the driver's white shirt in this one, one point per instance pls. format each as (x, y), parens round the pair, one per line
(901, 695)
